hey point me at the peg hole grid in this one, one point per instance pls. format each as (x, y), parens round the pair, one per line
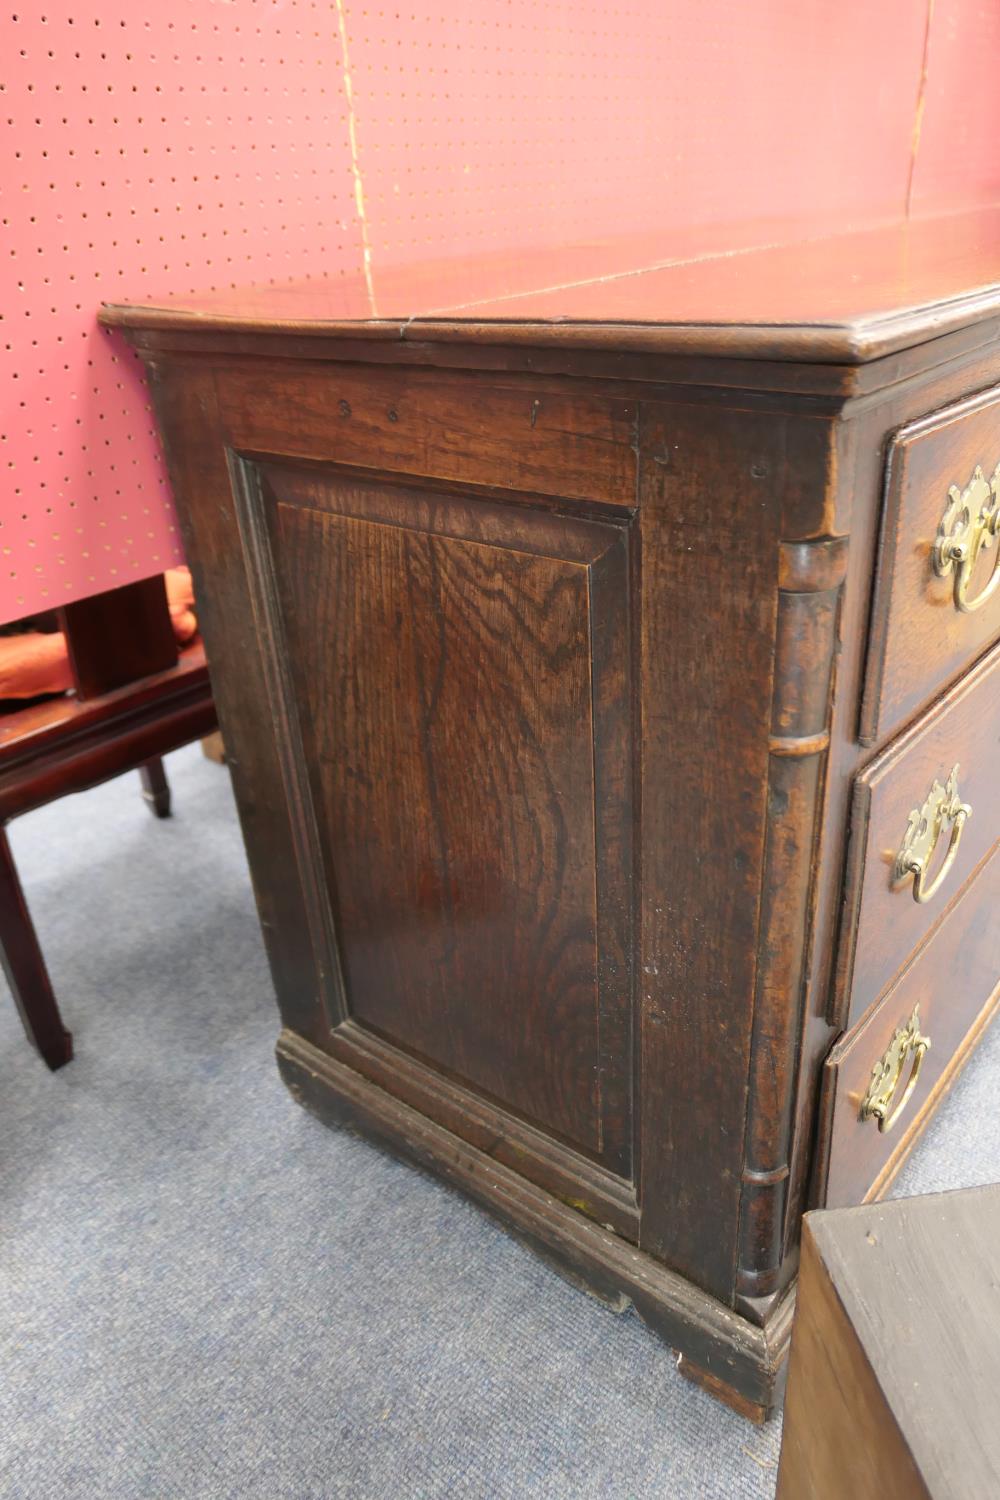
(147, 155)
(215, 143)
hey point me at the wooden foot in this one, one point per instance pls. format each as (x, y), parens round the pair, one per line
(25, 968)
(155, 787)
(738, 1361)
(213, 748)
(753, 1411)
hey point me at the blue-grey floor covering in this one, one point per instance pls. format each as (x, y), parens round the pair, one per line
(206, 1293)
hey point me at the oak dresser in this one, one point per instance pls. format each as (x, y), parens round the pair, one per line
(606, 651)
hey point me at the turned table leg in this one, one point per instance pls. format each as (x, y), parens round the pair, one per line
(155, 787)
(25, 968)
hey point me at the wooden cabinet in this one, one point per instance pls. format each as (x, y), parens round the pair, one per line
(896, 1344)
(570, 656)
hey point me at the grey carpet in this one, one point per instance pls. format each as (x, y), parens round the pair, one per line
(205, 1293)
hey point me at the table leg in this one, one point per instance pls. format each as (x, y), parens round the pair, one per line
(25, 968)
(155, 787)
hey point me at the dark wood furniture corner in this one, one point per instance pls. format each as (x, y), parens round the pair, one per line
(119, 636)
(897, 1344)
(595, 664)
(140, 699)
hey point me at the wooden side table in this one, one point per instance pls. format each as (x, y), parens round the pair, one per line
(121, 718)
(895, 1367)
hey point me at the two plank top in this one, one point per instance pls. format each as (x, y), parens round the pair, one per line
(849, 298)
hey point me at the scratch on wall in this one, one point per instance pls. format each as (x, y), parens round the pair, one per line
(359, 187)
(918, 117)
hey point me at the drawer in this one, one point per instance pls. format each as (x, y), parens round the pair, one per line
(909, 785)
(946, 996)
(930, 618)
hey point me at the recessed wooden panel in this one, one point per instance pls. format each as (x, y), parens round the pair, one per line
(459, 671)
(919, 639)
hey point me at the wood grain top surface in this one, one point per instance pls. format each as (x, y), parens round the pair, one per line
(918, 1280)
(851, 297)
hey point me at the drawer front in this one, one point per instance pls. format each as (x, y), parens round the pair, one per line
(946, 997)
(912, 784)
(932, 614)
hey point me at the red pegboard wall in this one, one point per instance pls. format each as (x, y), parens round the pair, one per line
(204, 143)
(957, 134)
(573, 119)
(182, 145)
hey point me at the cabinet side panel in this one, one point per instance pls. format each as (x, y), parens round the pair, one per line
(444, 692)
(457, 676)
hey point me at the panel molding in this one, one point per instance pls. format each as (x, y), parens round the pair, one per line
(265, 603)
(488, 516)
(603, 1196)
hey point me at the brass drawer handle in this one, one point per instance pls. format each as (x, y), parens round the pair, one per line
(968, 528)
(942, 806)
(878, 1103)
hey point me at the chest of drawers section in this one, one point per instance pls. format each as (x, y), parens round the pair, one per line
(918, 962)
(540, 657)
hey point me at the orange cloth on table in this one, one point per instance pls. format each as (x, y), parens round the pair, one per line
(33, 664)
(180, 599)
